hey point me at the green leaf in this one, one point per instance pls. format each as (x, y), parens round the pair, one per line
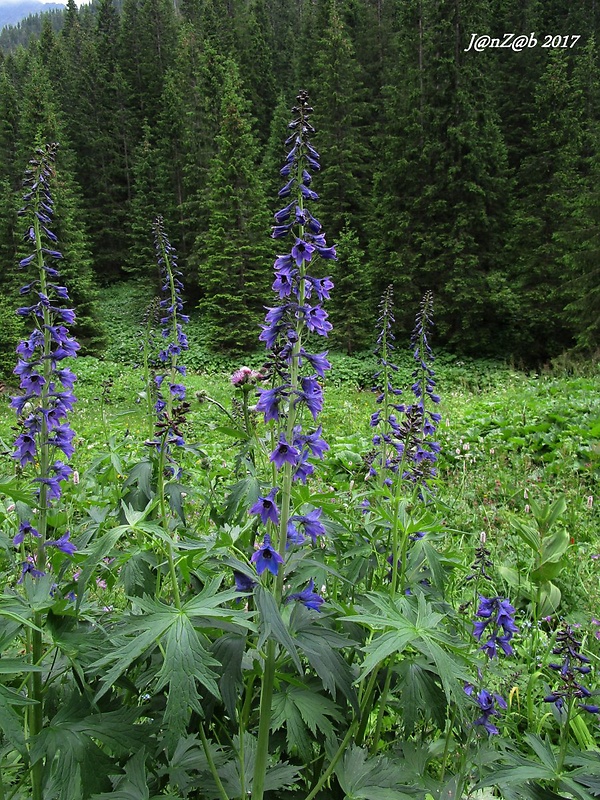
(364, 778)
(14, 666)
(320, 646)
(229, 649)
(302, 710)
(11, 723)
(272, 624)
(555, 546)
(185, 662)
(529, 535)
(550, 597)
(148, 629)
(141, 474)
(278, 776)
(99, 550)
(176, 492)
(133, 785)
(11, 488)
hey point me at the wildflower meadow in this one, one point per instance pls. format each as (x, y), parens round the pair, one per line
(305, 574)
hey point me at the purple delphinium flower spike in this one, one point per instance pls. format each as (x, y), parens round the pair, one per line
(487, 702)
(574, 664)
(288, 325)
(295, 398)
(403, 433)
(499, 616)
(171, 406)
(47, 397)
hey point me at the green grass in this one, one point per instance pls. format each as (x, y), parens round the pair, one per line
(506, 438)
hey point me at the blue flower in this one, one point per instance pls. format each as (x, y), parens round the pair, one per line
(284, 453)
(499, 614)
(266, 557)
(266, 507)
(243, 582)
(308, 597)
(487, 702)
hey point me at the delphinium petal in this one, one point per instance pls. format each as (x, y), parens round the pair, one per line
(46, 385)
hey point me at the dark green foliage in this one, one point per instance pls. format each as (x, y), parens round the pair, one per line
(548, 214)
(472, 174)
(340, 109)
(234, 255)
(442, 188)
(349, 309)
(11, 331)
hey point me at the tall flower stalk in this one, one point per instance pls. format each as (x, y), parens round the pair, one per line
(404, 452)
(296, 394)
(171, 406)
(42, 408)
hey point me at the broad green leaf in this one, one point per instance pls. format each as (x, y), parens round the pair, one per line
(302, 710)
(515, 579)
(364, 778)
(550, 597)
(99, 550)
(272, 624)
(133, 785)
(185, 662)
(555, 546)
(528, 534)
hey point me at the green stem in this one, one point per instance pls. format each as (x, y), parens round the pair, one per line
(36, 711)
(264, 725)
(564, 741)
(211, 765)
(332, 764)
(266, 697)
(165, 521)
(365, 707)
(382, 707)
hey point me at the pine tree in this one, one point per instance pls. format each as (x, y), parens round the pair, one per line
(41, 122)
(235, 253)
(255, 49)
(145, 207)
(442, 187)
(349, 307)
(548, 217)
(340, 109)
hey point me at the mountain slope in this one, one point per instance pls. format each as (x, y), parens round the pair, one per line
(13, 12)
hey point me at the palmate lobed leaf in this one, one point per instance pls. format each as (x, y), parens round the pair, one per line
(186, 662)
(133, 785)
(320, 645)
(364, 778)
(278, 776)
(303, 710)
(420, 629)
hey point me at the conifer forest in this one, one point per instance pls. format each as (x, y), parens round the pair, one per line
(300, 401)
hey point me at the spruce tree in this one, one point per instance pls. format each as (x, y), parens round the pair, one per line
(348, 309)
(41, 122)
(443, 184)
(549, 217)
(234, 255)
(340, 108)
